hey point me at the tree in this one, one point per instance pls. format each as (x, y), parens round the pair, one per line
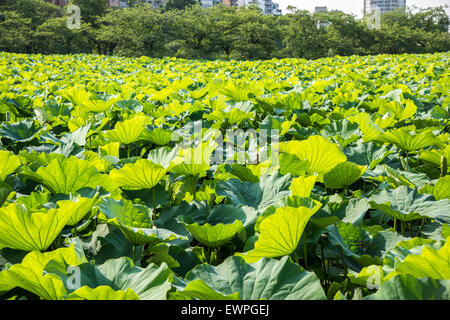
(132, 31)
(15, 33)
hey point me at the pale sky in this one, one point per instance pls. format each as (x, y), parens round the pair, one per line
(352, 6)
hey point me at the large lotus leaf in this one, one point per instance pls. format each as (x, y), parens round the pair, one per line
(22, 131)
(158, 136)
(343, 132)
(163, 156)
(135, 222)
(430, 263)
(229, 213)
(407, 204)
(408, 287)
(102, 293)
(352, 240)
(410, 141)
(398, 178)
(403, 249)
(213, 235)
(441, 190)
(150, 283)
(29, 274)
(144, 174)
(125, 213)
(321, 154)
(268, 191)
(196, 211)
(197, 289)
(79, 207)
(8, 164)
(66, 175)
(128, 131)
(280, 233)
(195, 161)
(291, 164)
(367, 154)
(369, 129)
(230, 171)
(26, 230)
(302, 186)
(343, 175)
(266, 279)
(434, 157)
(394, 108)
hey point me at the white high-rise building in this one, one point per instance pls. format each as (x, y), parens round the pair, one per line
(383, 5)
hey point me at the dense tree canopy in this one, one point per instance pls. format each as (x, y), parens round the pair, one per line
(184, 29)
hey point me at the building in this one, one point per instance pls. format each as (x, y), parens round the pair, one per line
(382, 5)
(276, 10)
(267, 6)
(320, 9)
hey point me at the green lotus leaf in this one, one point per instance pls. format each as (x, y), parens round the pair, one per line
(369, 129)
(241, 172)
(434, 157)
(27, 230)
(404, 249)
(134, 221)
(8, 164)
(398, 178)
(302, 186)
(429, 263)
(410, 141)
(110, 149)
(79, 207)
(158, 136)
(150, 283)
(164, 156)
(441, 189)
(394, 108)
(22, 131)
(407, 204)
(407, 287)
(213, 236)
(269, 190)
(234, 116)
(229, 213)
(128, 131)
(290, 164)
(321, 154)
(102, 293)
(367, 154)
(280, 233)
(266, 279)
(29, 274)
(66, 175)
(197, 289)
(343, 132)
(143, 174)
(352, 240)
(343, 175)
(195, 161)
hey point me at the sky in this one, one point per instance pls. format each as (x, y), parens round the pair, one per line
(352, 6)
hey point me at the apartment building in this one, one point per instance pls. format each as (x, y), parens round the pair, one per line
(383, 5)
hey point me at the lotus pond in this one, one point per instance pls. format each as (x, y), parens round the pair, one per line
(160, 179)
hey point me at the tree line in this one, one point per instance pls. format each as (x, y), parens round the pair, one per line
(35, 26)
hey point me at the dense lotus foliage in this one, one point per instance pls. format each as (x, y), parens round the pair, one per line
(114, 184)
